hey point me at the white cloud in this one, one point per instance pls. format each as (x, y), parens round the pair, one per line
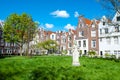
(76, 14)
(49, 25)
(69, 26)
(60, 13)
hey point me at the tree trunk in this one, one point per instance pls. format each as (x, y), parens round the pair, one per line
(27, 53)
(20, 50)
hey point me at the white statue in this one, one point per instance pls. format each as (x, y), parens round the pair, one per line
(75, 55)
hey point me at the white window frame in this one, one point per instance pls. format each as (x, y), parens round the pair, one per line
(93, 43)
(93, 33)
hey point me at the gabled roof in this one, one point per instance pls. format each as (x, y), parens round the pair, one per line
(48, 32)
(95, 21)
(87, 21)
(73, 31)
(84, 20)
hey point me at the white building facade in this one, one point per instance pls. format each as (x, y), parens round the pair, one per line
(109, 36)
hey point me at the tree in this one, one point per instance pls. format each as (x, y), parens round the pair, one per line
(49, 45)
(19, 29)
(10, 29)
(27, 30)
(111, 4)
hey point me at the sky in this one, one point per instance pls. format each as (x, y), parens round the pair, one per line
(53, 15)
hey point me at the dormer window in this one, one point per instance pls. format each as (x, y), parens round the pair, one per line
(118, 18)
(103, 23)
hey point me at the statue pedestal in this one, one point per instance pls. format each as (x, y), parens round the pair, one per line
(75, 57)
(76, 64)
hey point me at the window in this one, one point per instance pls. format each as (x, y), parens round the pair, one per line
(81, 33)
(2, 42)
(100, 31)
(0, 33)
(93, 25)
(0, 51)
(106, 30)
(119, 52)
(64, 47)
(69, 38)
(79, 43)
(84, 43)
(107, 51)
(70, 52)
(118, 18)
(108, 40)
(93, 43)
(70, 45)
(115, 52)
(100, 39)
(7, 44)
(11, 44)
(80, 25)
(93, 33)
(117, 29)
(103, 23)
(116, 40)
(64, 40)
(52, 36)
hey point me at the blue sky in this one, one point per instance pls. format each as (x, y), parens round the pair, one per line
(53, 14)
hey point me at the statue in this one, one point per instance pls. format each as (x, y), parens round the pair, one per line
(75, 55)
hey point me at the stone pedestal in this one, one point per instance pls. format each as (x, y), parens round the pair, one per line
(75, 57)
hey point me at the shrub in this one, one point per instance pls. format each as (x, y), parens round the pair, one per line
(91, 53)
(64, 52)
(107, 55)
(80, 52)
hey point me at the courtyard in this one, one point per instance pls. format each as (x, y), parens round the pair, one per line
(58, 68)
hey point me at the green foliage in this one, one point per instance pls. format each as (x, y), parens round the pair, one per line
(80, 52)
(107, 55)
(10, 28)
(58, 68)
(91, 53)
(64, 52)
(48, 45)
(19, 29)
(54, 73)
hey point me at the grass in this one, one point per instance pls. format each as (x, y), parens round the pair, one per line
(58, 68)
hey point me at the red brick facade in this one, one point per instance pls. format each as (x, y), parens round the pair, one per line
(85, 30)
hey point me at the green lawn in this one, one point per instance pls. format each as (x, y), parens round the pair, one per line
(58, 68)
